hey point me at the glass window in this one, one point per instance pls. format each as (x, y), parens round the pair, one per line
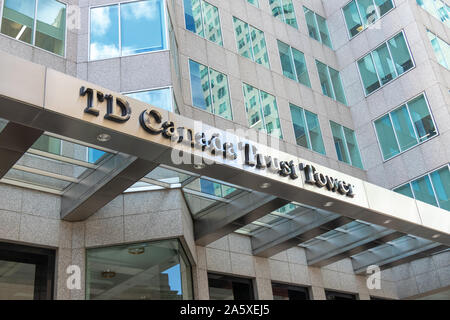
(437, 8)
(353, 19)
(385, 63)
(368, 74)
(254, 2)
(353, 149)
(229, 288)
(27, 273)
(423, 190)
(51, 26)
(441, 184)
(203, 19)
(287, 292)
(136, 18)
(405, 190)
(259, 47)
(284, 10)
(386, 137)
(359, 14)
(161, 98)
(433, 188)
(104, 33)
(337, 85)
(346, 145)
(209, 90)
(313, 30)
(323, 31)
(193, 16)
(317, 27)
(307, 129)
(400, 53)
(332, 295)
(293, 64)
(325, 81)
(330, 81)
(251, 42)
(405, 127)
(441, 49)
(144, 271)
(262, 111)
(19, 18)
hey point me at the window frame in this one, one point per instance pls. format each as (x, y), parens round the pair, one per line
(210, 89)
(436, 37)
(172, 93)
(34, 29)
(284, 17)
(251, 43)
(261, 111)
(317, 27)
(405, 103)
(385, 42)
(118, 4)
(201, 11)
(307, 131)
(294, 68)
(331, 83)
(431, 182)
(350, 37)
(347, 151)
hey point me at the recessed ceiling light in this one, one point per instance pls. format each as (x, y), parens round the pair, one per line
(103, 137)
(138, 250)
(108, 274)
(265, 185)
(328, 204)
(436, 236)
(388, 221)
(199, 166)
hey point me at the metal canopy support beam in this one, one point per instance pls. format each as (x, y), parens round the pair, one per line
(292, 232)
(349, 244)
(15, 140)
(100, 186)
(392, 255)
(229, 217)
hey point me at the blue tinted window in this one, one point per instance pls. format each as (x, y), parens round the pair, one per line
(142, 29)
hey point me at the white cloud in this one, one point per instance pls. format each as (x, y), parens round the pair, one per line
(142, 9)
(100, 20)
(102, 51)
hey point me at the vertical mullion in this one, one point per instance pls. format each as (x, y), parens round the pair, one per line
(251, 42)
(291, 55)
(261, 110)
(346, 145)
(376, 10)
(331, 82)
(33, 40)
(308, 138)
(317, 27)
(395, 134)
(282, 10)
(360, 16)
(392, 58)
(120, 31)
(213, 108)
(376, 70)
(412, 123)
(434, 190)
(203, 22)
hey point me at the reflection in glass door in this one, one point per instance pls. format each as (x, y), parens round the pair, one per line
(26, 273)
